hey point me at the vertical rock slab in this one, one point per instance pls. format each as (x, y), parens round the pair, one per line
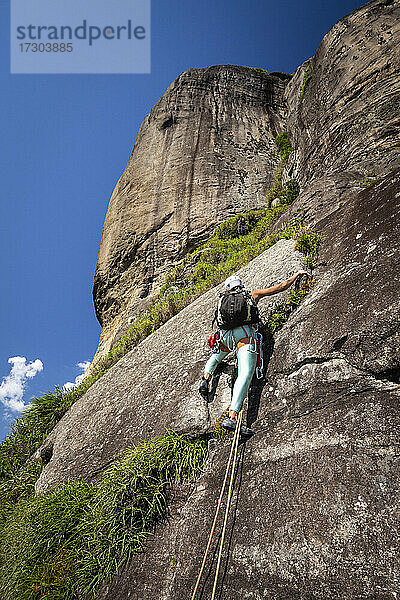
(344, 106)
(314, 515)
(205, 152)
(348, 329)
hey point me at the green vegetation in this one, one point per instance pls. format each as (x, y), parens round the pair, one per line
(284, 146)
(220, 256)
(223, 253)
(18, 486)
(306, 81)
(366, 182)
(307, 242)
(259, 70)
(240, 224)
(282, 310)
(288, 192)
(17, 473)
(65, 543)
(218, 432)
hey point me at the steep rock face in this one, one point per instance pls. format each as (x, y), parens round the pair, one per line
(315, 514)
(155, 385)
(345, 128)
(356, 294)
(204, 153)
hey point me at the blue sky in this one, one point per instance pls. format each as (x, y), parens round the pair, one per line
(65, 141)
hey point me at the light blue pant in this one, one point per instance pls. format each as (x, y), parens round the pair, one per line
(246, 357)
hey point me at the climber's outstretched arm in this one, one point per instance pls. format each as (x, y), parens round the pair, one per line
(275, 289)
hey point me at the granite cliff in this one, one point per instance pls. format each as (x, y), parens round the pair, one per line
(315, 513)
(206, 151)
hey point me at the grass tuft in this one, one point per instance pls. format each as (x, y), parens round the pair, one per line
(366, 182)
(259, 70)
(281, 311)
(286, 193)
(218, 432)
(308, 242)
(64, 544)
(306, 81)
(39, 545)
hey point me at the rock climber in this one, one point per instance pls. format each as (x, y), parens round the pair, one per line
(240, 307)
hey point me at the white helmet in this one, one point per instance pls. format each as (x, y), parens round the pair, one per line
(232, 282)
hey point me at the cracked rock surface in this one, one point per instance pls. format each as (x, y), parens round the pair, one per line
(314, 513)
(348, 328)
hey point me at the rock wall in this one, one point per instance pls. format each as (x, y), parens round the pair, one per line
(315, 513)
(345, 129)
(205, 152)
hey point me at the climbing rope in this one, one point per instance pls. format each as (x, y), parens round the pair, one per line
(233, 452)
(228, 504)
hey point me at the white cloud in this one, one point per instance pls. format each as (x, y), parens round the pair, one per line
(82, 365)
(12, 387)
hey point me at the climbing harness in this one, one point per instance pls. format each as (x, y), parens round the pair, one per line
(230, 343)
(232, 455)
(256, 341)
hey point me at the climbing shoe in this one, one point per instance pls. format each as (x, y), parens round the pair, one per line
(203, 388)
(230, 425)
(227, 423)
(246, 431)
